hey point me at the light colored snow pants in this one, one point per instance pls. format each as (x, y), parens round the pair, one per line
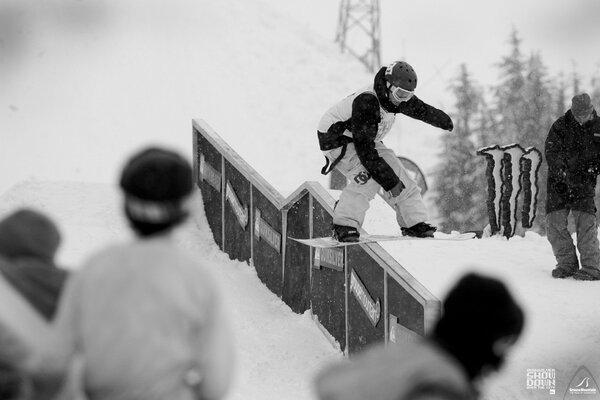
(562, 243)
(361, 189)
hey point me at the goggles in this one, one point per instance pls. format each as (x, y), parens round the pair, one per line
(400, 94)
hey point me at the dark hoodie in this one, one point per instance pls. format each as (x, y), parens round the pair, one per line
(573, 156)
(28, 244)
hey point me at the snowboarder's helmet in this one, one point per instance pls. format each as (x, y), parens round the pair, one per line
(401, 74)
(157, 184)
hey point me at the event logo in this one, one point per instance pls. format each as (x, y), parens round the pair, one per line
(511, 170)
(541, 379)
(582, 384)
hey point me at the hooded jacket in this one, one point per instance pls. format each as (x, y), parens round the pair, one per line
(396, 372)
(573, 156)
(366, 117)
(147, 321)
(28, 243)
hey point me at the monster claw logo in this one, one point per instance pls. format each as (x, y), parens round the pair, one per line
(511, 170)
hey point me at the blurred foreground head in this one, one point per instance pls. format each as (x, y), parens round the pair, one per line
(28, 233)
(157, 184)
(481, 321)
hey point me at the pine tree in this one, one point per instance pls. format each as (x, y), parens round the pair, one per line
(538, 119)
(458, 183)
(508, 94)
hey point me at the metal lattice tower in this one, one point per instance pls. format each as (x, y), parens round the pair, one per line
(358, 31)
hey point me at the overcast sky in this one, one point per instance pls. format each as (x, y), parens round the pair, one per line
(436, 36)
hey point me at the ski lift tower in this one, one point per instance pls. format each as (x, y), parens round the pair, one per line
(358, 25)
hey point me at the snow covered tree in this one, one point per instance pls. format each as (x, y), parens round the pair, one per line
(509, 110)
(459, 191)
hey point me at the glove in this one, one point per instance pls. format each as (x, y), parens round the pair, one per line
(396, 190)
(450, 126)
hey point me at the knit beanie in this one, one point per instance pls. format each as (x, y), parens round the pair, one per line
(156, 183)
(478, 311)
(28, 233)
(581, 105)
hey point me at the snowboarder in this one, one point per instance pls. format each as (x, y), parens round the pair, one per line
(350, 135)
(573, 155)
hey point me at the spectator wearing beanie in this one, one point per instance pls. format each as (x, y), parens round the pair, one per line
(145, 318)
(479, 324)
(573, 156)
(28, 244)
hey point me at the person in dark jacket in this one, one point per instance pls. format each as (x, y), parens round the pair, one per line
(28, 244)
(573, 156)
(480, 323)
(350, 135)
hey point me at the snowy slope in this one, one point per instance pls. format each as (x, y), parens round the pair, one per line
(260, 72)
(277, 351)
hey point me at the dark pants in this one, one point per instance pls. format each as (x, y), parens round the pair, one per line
(562, 244)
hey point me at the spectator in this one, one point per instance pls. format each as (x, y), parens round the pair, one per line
(23, 337)
(480, 323)
(28, 244)
(31, 285)
(573, 156)
(145, 317)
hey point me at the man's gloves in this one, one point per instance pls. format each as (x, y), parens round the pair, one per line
(396, 190)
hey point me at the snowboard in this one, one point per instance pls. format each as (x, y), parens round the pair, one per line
(328, 241)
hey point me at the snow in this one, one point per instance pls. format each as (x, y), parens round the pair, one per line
(260, 72)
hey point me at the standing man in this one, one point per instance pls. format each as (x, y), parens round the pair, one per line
(351, 133)
(144, 319)
(573, 155)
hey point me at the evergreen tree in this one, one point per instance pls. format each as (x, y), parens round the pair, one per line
(538, 119)
(508, 94)
(560, 96)
(457, 185)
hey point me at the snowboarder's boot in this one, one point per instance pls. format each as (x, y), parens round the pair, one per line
(345, 233)
(422, 230)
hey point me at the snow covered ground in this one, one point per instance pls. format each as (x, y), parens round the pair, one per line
(79, 101)
(279, 351)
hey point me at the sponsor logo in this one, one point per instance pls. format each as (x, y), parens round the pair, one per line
(371, 307)
(582, 384)
(330, 258)
(398, 333)
(209, 174)
(541, 379)
(511, 170)
(240, 211)
(262, 230)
